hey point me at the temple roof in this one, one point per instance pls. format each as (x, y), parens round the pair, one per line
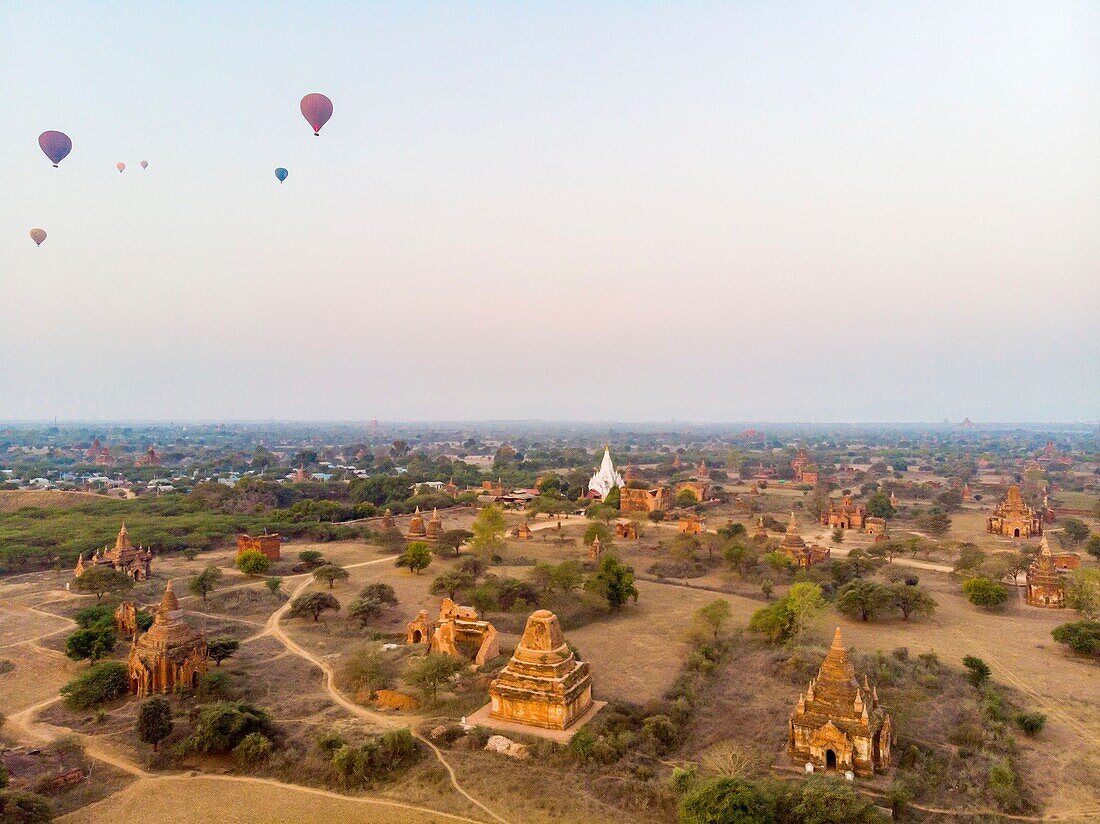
(792, 540)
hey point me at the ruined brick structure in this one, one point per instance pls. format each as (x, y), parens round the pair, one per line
(794, 546)
(458, 631)
(267, 544)
(1045, 587)
(653, 499)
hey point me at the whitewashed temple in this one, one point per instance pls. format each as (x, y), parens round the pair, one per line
(606, 477)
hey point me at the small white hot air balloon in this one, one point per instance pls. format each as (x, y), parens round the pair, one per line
(38, 235)
(145, 164)
(121, 167)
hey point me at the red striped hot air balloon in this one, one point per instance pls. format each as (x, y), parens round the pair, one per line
(317, 109)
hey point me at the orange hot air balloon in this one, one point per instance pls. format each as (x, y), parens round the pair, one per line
(121, 167)
(38, 235)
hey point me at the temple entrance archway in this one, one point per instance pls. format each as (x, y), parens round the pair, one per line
(830, 760)
(1016, 533)
(194, 680)
(417, 636)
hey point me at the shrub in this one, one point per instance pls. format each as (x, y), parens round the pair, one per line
(726, 801)
(389, 753)
(1082, 637)
(978, 671)
(1031, 723)
(213, 685)
(432, 671)
(253, 749)
(220, 727)
(99, 615)
(382, 593)
(313, 603)
(985, 593)
(330, 574)
(101, 682)
(613, 581)
(95, 642)
(24, 808)
(417, 557)
(253, 562)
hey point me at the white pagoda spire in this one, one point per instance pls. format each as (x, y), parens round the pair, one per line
(606, 478)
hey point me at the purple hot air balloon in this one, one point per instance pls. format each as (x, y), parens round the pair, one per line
(317, 109)
(56, 146)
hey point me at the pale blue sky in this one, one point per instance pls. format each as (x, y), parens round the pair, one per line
(632, 211)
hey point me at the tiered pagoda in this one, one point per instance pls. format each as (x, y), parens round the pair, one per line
(169, 654)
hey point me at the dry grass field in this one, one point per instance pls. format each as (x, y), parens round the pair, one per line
(13, 499)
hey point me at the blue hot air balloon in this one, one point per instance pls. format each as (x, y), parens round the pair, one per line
(55, 145)
(281, 173)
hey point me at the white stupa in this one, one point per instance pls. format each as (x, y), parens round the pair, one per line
(606, 478)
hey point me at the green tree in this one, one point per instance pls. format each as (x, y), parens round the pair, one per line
(879, 506)
(222, 648)
(93, 643)
(600, 531)
(380, 592)
(364, 610)
(330, 573)
(253, 562)
(567, 576)
(804, 602)
(613, 581)
(451, 583)
(313, 603)
(978, 671)
(934, 521)
(1093, 546)
(273, 584)
(311, 558)
(488, 528)
(686, 498)
(101, 580)
(431, 671)
(1074, 530)
(1083, 637)
(220, 727)
(1083, 592)
(154, 722)
(726, 801)
(911, 600)
(417, 557)
(863, 599)
(370, 669)
(453, 539)
(205, 582)
(982, 592)
(613, 498)
(714, 615)
(101, 682)
(837, 536)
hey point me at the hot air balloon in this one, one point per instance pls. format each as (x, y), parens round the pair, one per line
(317, 109)
(144, 164)
(57, 145)
(281, 173)
(38, 235)
(121, 167)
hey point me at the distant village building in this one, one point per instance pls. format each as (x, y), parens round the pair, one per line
(876, 527)
(1045, 587)
(838, 725)
(543, 685)
(701, 470)
(124, 557)
(805, 472)
(606, 477)
(652, 499)
(268, 544)
(98, 454)
(844, 514)
(169, 654)
(1013, 518)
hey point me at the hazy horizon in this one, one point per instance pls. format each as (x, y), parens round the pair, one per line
(862, 213)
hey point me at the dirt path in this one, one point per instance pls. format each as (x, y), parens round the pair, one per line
(274, 628)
